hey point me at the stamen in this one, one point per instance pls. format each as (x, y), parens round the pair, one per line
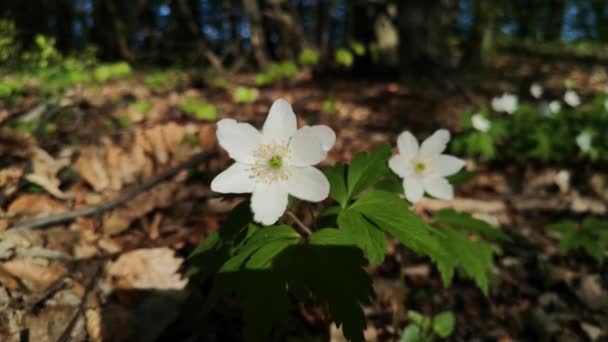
(270, 163)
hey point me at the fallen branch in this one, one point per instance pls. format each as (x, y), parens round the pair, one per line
(117, 201)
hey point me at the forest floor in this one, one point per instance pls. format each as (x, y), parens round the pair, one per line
(114, 275)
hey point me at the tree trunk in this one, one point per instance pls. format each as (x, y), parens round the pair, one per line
(481, 42)
(554, 20)
(424, 27)
(258, 36)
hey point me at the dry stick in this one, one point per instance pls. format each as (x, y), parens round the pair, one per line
(117, 201)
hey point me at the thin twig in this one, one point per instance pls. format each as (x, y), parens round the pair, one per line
(117, 201)
(305, 230)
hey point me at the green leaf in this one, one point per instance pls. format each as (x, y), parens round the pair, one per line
(468, 223)
(337, 184)
(331, 236)
(335, 276)
(474, 257)
(245, 95)
(563, 227)
(344, 57)
(411, 334)
(367, 168)
(260, 238)
(366, 235)
(443, 324)
(393, 215)
(419, 319)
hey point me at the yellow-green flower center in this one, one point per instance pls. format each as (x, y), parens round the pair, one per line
(420, 167)
(271, 163)
(275, 162)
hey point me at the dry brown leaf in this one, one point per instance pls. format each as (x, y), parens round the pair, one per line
(45, 169)
(37, 275)
(34, 204)
(9, 179)
(154, 268)
(206, 136)
(162, 196)
(90, 166)
(15, 143)
(111, 323)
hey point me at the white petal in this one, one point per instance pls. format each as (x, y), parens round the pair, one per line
(240, 140)
(413, 189)
(325, 134)
(447, 165)
(268, 202)
(436, 143)
(306, 148)
(401, 165)
(281, 122)
(234, 180)
(407, 145)
(438, 187)
(308, 183)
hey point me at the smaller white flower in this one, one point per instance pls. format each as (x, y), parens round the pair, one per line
(583, 140)
(536, 90)
(555, 106)
(480, 123)
(274, 163)
(424, 168)
(505, 103)
(572, 98)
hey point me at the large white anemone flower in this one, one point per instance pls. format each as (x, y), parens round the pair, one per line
(536, 90)
(505, 103)
(424, 168)
(275, 162)
(572, 98)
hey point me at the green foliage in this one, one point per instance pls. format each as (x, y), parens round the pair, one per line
(533, 133)
(329, 106)
(469, 224)
(275, 260)
(107, 72)
(142, 107)
(199, 109)
(591, 235)
(10, 88)
(159, 80)
(358, 48)
(245, 95)
(277, 72)
(426, 329)
(9, 49)
(309, 57)
(344, 57)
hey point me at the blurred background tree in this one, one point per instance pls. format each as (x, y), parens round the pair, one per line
(413, 36)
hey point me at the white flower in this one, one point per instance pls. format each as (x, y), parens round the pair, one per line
(480, 123)
(275, 162)
(555, 106)
(572, 98)
(583, 140)
(536, 90)
(505, 103)
(424, 168)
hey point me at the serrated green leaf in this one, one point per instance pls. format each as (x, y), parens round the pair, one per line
(443, 324)
(336, 176)
(367, 168)
(393, 215)
(473, 257)
(335, 276)
(366, 235)
(468, 223)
